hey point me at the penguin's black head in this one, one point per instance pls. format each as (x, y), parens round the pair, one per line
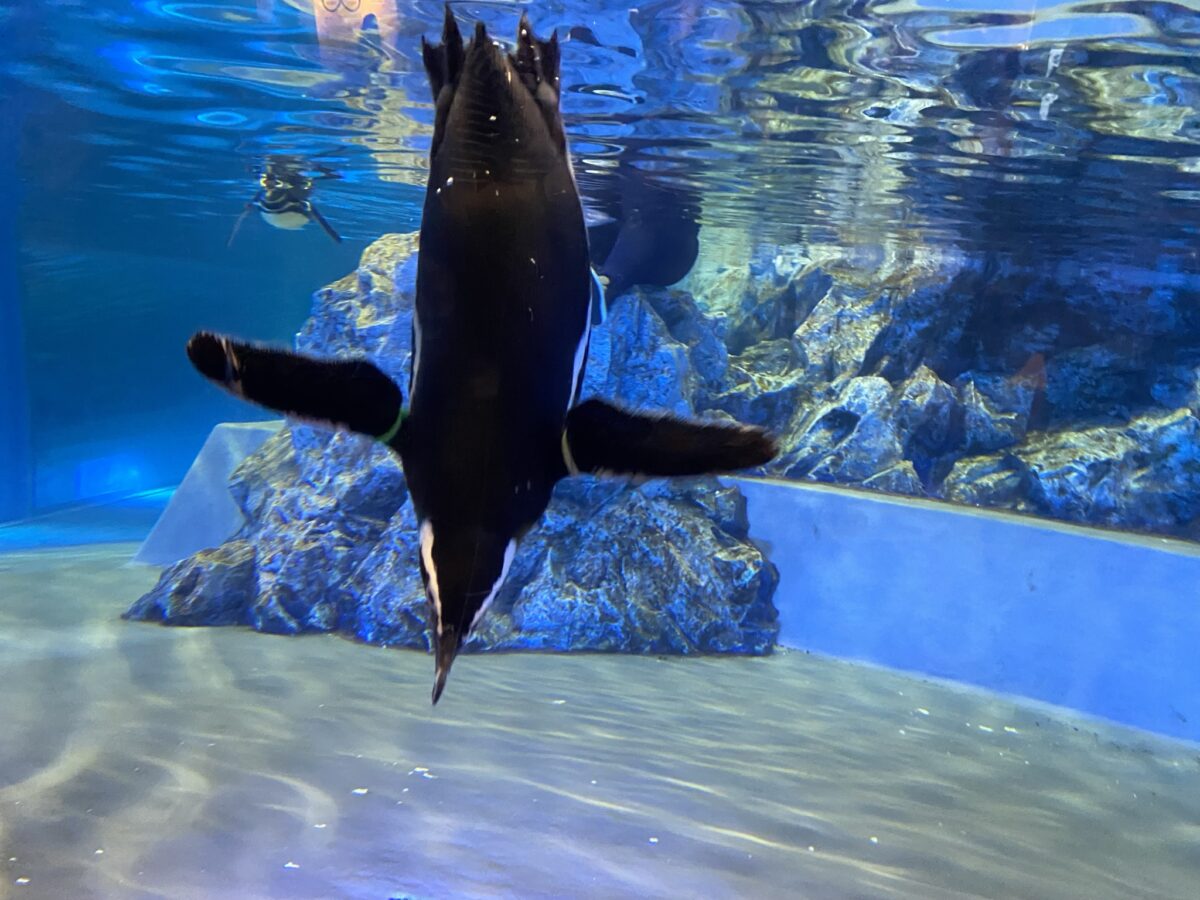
(463, 567)
(281, 176)
(497, 113)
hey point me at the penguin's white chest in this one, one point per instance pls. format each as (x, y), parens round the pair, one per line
(289, 221)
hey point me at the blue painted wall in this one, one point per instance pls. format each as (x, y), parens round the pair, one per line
(16, 491)
(1093, 620)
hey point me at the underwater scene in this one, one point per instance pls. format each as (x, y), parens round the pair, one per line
(694, 448)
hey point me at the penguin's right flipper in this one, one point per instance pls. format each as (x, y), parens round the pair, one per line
(320, 220)
(601, 438)
(345, 393)
(238, 224)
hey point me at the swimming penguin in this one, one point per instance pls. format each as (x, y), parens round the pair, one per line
(283, 198)
(657, 237)
(500, 339)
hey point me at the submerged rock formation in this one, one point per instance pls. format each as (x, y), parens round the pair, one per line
(330, 543)
(936, 375)
(894, 374)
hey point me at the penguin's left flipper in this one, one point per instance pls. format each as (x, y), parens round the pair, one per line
(316, 216)
(344, 393)
(604, 439)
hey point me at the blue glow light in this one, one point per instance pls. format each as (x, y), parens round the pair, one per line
(221, 117)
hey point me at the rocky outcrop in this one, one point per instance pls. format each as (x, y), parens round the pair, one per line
(660, 569)
(911, 378)
(985, 382)
(329, 541)
(1144, 475)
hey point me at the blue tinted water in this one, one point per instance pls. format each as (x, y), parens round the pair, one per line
(1057, 139)
(1044, 134)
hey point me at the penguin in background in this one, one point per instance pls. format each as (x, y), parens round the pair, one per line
(284, 196)
(501, 325)
(653, 241)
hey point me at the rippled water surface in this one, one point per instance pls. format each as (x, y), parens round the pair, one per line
(1057, 139)
(144, 762)
(167, 763)
(940, 120)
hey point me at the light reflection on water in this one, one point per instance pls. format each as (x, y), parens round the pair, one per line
(823, 121)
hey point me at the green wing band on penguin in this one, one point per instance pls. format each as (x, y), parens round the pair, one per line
(602, 438)
(390, 435)
(352, 394)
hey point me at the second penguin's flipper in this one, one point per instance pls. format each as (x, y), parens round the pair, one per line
(315, 215)
(350, 393)
(238, 224)
(601, 438)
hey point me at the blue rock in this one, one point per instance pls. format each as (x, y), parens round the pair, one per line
(665, 568)
(369, 312)
(847, 439)
(661, 568)
(765, 388)
(832, 343)
(699, 335)
(935, 375)
(1094, 383)
(989, 481)
(996, 411)
(927, 416)
(1144, 475)
(777, 309)
(386, 601)
(902, 478)
(634, 360)
(212, 587)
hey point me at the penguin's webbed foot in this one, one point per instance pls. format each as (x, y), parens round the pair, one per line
(602, 438)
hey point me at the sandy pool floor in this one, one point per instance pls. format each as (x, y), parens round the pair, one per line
(139, 761)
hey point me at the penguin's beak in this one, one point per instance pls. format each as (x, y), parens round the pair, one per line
(445, 649)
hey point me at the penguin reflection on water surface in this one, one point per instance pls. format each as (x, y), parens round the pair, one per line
(284, 197)
(500, 338)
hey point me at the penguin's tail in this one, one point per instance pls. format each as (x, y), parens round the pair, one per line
(346, 393)
(603, 439)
